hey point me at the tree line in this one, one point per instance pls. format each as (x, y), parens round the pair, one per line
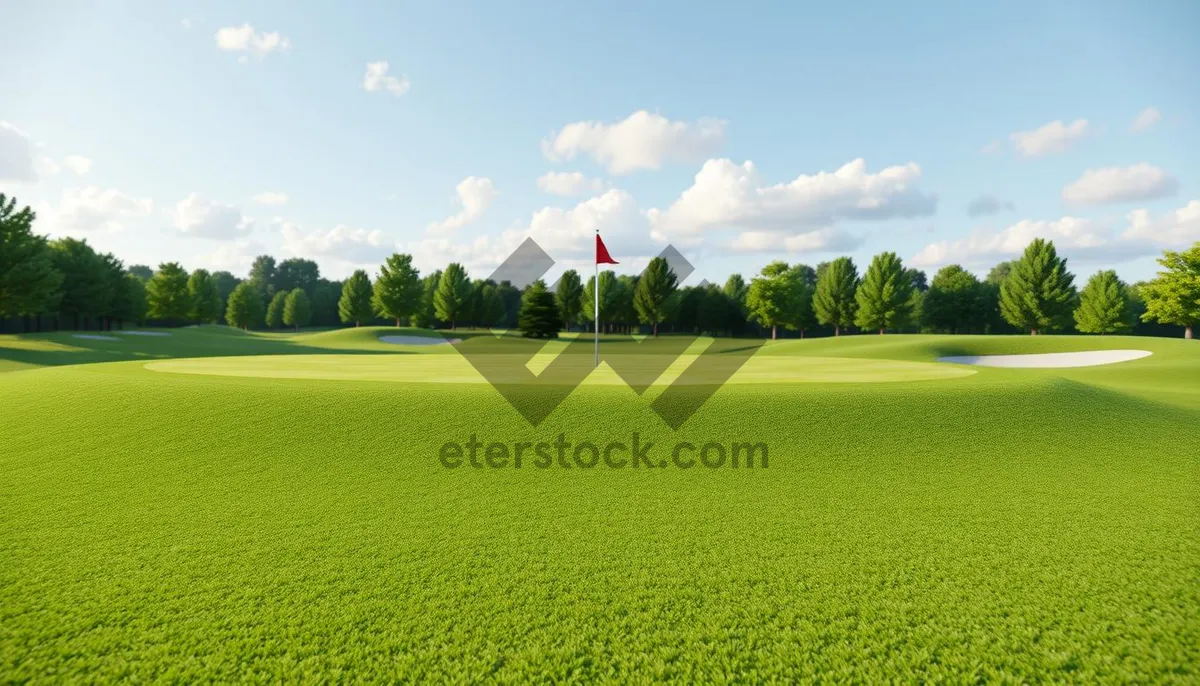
(65, 283)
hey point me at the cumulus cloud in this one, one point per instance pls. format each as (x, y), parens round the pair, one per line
(1054, 137)
(245, 39)
(91, 209)
(271, 198)
(377, 79)
(346, 244)
(569, 184)
(987, 204)
(1176, 229)
(16, 154)
(1120, 184)
(78, 164)
(202, 218)
(232, 256)
(473, 194)
(640, 141)
(1146, 120)
(820, 240)
(727, 195)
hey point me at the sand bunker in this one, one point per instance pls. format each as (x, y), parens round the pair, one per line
(1090, 358)
(416, 340)
(144, 333)
(95, 337)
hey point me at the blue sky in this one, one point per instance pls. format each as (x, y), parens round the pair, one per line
(154, 134)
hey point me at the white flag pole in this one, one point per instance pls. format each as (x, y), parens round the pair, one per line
(596, 291)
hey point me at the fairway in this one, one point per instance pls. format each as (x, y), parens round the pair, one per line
(214, 505)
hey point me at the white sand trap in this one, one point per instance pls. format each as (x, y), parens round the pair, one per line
(95, 337)
(417, 340)
(1090, 358)
(144, 333)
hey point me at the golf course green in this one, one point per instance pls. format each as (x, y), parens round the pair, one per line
(215, 505)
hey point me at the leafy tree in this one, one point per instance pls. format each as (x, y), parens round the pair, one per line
(397, 288)
(297, 311)
(295, 273)
(452, 295)
(735, 290)
(28, 280)
(714, 307)
(510, 295)
(1173, 296)
(116, 307)
(834, 300)
(491, 310)
(355, 303)
(141, 271)
(539, 313)
(803, 280)
(325, 302)
(426, 314)
(568, 295)
(955, 302)
(129, 304)
(1038, 293)
(262, 275)
(274, 318)
(884, 297)
(167, 293)
(245, 306)
(1104, 305)
(225, 282)
(654, 288)
(773, 297)
(917, 278)
(625, 315)
(87, 288)
(609, 297)
(205, 297)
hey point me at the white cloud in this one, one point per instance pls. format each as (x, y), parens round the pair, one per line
(271, 198)
(569, 184)
(987, 204)
(377, 79)
(1146, 120)
(16, 154)
(1051, 138)
(78, 164)
(244, 39)
(473, 195)
(820, 240)
(1179, 228)
(984, 246)
(202, 218)
(85, 210)
(727, 195)
(640, 141)
(349, 245)
(1120, 184)
(232, 256)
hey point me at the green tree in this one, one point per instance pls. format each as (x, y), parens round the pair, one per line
(167, 293)
(87, 289)
(205, 296)
(262, 275)
(884, 297)
(955, 302)
(834, 300)
(28, 280)
(567, 296)
(773, 297)
(1104, 305)
(609, 297)
(141, 271)
(1173, 296)
(426, 314)
(274, 318)
(491, 310)
(129, 304)
(397, 288)
(1038, 293)
(538, 317)
(296, 309)
(245, 306)
(355, 303)
(453, 294)
(296, 272)
(652, 292)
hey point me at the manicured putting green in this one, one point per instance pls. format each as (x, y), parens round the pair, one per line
(454, 369)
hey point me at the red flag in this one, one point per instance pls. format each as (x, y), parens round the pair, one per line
(602, 256)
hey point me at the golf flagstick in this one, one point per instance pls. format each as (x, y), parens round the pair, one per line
(602, 256)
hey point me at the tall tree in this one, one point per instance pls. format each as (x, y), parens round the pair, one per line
(1104, 305)
(167, 293)
(452, 295)
(274, 318)
(624, 312)
(803, 280)
(834, 301)
(773, 296)
(1038, 293)
(490, 307)
(245, 306)
(654, 288)
(86, 289)
(567, 296)
(355, 303)
(225, 282)
(296, 309)
(954, 302)
(917, 278)
(884, 297)
(609, 297)
(28, 280)
(129, 304)
(397, 288)
(262, 275)
(296, 272)
(205, 297)
(426, 314)
(1173, 296)
(141, 271)
(538, 317)
(114, 274)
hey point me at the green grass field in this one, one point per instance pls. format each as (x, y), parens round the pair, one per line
(217, 505)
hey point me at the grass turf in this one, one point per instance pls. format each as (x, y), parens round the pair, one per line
(1018, 525)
